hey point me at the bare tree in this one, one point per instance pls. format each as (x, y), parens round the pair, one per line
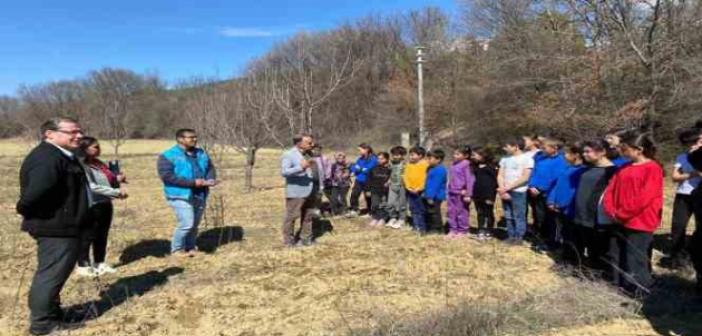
(311, 69)
(40, 102)
(113, 94)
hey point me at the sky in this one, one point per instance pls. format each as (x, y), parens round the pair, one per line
(43, 41)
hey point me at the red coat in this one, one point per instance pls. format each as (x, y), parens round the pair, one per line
(634, 196)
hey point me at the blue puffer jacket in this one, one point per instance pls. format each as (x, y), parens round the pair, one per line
(547, 169)
(562, 196)
(363, 166)
(178, 181)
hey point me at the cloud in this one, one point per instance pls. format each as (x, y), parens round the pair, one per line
(247, 32)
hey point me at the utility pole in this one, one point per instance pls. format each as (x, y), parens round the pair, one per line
(420, 95)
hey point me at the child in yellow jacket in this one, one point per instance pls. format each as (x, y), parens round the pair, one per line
(414, 178)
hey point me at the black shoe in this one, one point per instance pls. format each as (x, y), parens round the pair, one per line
(56, 328)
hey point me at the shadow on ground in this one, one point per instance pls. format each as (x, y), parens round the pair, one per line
(208, 241)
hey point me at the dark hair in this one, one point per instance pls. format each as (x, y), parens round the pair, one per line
(466, 150)
(599, 145)
(574, 148)
(486, 154)
(517, 142)
(418, 150)
(181, 132)
(384, 155)
(689, 136)
(53, 124)
(367, 147)
(298, 138)
(437, 153)
(398, 150)
(642, 141)
(86, 142)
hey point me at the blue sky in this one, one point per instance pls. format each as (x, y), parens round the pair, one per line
(42, 41)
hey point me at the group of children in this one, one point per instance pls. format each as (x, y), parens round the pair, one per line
(596, 201)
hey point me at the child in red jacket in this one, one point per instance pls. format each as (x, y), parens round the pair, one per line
(634, 199)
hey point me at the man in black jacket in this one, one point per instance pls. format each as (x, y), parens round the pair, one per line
(54, 203)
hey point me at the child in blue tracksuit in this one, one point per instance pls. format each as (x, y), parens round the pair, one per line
(561, 200)
(361, 169)
(542, 180)
(435, 191)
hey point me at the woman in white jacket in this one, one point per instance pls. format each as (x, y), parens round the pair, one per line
(104, 186)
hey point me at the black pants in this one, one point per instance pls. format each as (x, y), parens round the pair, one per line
(378, 202)
(96, 236)
(597, 243)
(545, 221)
(682, 211)
(695, 245)
(338, 199)
(486, 214)
(632, 250)
(531, 205)
(356, 192)
(571, 252)
(56, 259)
(435, 222)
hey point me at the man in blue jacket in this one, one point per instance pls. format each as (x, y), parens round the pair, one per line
(547, 169)
(187, 174)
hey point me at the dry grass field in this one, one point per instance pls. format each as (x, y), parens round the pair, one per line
(356, 281)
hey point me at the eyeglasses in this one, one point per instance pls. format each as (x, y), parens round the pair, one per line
(73, 132)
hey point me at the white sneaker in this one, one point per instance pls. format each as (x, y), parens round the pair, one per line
(398, 224)
(373, 223)
(380, 223)
(391, 223)
(104, 268)
(351, 214)
(86, 271)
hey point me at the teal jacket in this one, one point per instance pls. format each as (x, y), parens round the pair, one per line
(178, 173)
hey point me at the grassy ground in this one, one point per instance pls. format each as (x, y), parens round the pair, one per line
(356, 281)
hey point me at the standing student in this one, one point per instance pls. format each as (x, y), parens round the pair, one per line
(54, 205)
(614, 154)
(322, 170)
(695, 244)
(340, 181)
(550, 165)
(378, 183)
(187, 174)
(414, 178)
(634, 200)
(484, 190)
(514, 173)
(593, 228)
(319, 168)
(532, 148)
(561, 200)
(397, 198)
(688, 179)
(300, 196)
(105, 186)
(360, 169)
(460, 192)
(435, 191)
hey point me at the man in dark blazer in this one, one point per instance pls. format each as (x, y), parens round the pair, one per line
(54, 201)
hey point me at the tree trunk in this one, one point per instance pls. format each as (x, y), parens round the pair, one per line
(250, 162)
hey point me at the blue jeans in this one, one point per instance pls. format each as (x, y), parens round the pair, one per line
(416, 206)
(188, 214)
(516, 214)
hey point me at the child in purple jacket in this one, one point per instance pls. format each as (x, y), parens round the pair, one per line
(460, 191)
